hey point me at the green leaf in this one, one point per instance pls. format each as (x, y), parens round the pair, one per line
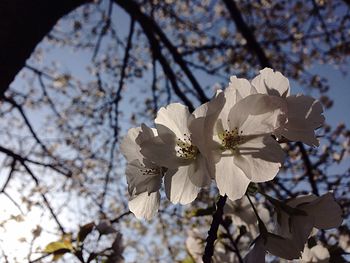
(202, 212)
(58, 249)
(59, 245)
(84, 231)
(188, 259)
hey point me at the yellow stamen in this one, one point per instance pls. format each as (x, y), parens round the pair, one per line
(186, 149)
(231, 139)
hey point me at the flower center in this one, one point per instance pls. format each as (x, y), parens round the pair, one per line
(185, 149)
(231, 139)
(151, 171)
(155, 171)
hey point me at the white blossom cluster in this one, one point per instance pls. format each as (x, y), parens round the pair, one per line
(286, 237)
(296, 221)
(233, 140)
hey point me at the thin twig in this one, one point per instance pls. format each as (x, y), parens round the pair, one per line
(233, 242)
(47, 203)
(104, 30)
(116, 103)
(148, 24)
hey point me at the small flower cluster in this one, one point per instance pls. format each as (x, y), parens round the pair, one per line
(232, 139)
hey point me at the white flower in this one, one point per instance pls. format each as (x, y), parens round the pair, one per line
(304, 113)
(243, 149)
(314, 208)
(174, 148)
(295, 227)
(317, 253)
(144, 182)
(278, 246)
(202, 128)
(144, 178)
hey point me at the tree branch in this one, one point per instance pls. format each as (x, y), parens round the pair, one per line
(116, 103)
(212, 233)
(23, 24)
(149, 25)
(243, 28)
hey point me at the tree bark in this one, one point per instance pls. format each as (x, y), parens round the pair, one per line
(23, 24)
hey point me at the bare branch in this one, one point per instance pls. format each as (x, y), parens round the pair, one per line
(212, 233)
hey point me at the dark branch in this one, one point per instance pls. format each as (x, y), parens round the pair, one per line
(212, 233)
(104, 30)
(244, 29)
(149, 25)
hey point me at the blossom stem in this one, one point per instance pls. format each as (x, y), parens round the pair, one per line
(262, 227)
(253, 206)
(212, 233)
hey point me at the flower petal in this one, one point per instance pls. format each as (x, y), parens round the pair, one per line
(257, 114)
(139, 180)
(145, 205)
(145, 134)
(128, 147)
(317, 209)
(304, 116)
(301, 227)
(202, 129)
(175, 118)
(282, 247)
(230, 179)
(178, 185)
(272, 83)
(243, 86)
(161, 153)
(260, 159)
(263, 147)
(135, 136)
(257, 170)
(231, 99)
(257, 254)
(200, 176)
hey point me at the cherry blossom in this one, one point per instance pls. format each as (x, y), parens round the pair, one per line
(243, 150)
(174, 148)
(313, 208)
(144, 178)
(295, 227)
(304, 113)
